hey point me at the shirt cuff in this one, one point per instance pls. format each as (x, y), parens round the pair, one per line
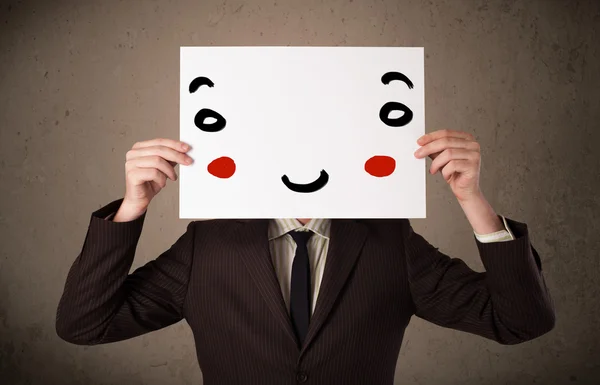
(498, 236)
(109, 217)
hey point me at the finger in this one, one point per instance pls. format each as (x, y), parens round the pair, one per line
(164, 152)
(452, 154)
(153, 161)
(139, 176)
(443, 134)
(155, 186)
(174, 144)
(440, 145)
(455, 166)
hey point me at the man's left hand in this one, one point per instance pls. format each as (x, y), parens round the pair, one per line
(457, 155)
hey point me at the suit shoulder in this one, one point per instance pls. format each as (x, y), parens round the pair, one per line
(212, 224)
(392, 227)
(222, 227)
(385, 222)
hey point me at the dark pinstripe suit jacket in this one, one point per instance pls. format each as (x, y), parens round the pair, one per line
(218, 276)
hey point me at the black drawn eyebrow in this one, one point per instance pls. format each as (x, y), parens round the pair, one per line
(390, 76)
(199, 82)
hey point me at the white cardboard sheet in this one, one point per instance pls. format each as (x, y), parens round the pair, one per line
(310, 115)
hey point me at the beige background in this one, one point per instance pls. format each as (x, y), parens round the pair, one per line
(82, 81)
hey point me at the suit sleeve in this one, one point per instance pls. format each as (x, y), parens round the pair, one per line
(103, 303)
(508, 303)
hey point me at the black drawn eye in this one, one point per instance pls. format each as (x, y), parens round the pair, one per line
(384, 113)
(206, 113)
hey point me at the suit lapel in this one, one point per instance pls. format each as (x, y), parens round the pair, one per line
(254, 248)
(347, 239)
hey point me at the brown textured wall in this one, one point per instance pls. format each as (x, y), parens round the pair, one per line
(82, 81)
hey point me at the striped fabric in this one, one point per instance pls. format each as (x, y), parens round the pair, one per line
(219, 276)
(498, 236)
(283, 249)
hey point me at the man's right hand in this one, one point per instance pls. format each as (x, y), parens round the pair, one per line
(147, 167)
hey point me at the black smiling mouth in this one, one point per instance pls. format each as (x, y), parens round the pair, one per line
(316, 185)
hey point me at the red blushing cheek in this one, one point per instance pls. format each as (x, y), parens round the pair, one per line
(223, 167)
(380, 166)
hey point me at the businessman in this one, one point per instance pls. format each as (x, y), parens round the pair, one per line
(312, 301)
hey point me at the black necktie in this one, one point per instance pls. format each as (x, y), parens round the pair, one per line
(300, 286)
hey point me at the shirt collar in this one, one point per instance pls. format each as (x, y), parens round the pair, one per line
(281, 226)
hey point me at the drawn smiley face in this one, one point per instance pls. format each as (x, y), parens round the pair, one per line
(378, 166)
